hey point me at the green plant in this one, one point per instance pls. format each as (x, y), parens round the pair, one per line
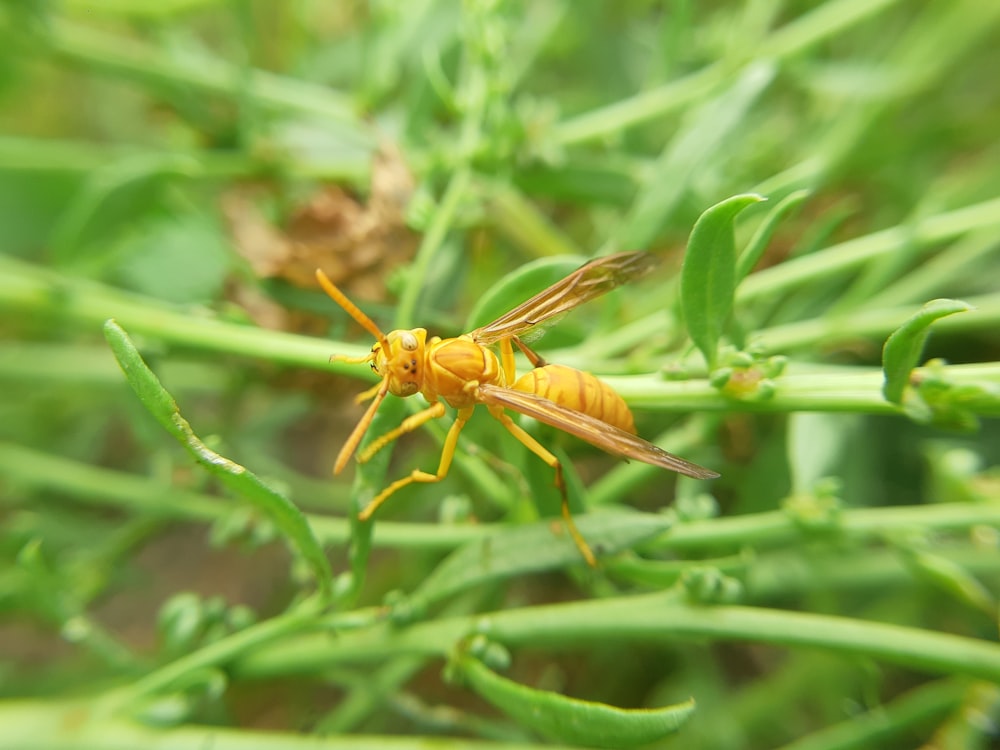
(827, 342)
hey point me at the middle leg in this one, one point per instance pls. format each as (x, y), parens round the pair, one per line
(411, 423)
(447, 454)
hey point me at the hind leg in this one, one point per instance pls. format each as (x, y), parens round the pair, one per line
(543, 453)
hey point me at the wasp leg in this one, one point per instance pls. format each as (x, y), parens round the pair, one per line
(411, 423)
(507, 362)
(536, 359)
(447, 454)
(539, 450)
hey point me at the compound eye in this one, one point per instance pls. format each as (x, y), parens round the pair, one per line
(408, 341)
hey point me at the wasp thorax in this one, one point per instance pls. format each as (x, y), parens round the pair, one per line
(401, 361)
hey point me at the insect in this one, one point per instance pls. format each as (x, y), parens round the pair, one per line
(465, 372)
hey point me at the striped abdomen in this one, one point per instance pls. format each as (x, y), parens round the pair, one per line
(580, 391)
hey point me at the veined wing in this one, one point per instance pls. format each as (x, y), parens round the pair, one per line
(588, 282)
(605, 436)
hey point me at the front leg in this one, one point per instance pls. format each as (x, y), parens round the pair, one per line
(411, 423)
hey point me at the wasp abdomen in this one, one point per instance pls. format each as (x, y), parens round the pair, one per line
(579, 391)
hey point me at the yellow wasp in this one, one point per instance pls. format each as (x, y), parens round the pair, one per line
(464, 372)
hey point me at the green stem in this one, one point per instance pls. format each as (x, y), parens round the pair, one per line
(827, 20)
(849, 255)
(651, 618)
(216, 654)
(88, 47)
(444, 217)
(871, 323)
(523, 223)
(824, 21)
(474, 93)
(856, 390)
(776, 527)
(72, 726)
(107, 488)
(886, 724)
(37, 155)
(639, 108)
(88, 304)
(140, 495)
(41, 291)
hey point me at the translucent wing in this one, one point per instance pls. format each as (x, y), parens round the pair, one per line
(605, 436)
(588, 282)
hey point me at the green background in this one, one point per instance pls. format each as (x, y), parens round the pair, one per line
(179, 567)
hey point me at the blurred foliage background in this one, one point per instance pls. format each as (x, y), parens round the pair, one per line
(184, 166)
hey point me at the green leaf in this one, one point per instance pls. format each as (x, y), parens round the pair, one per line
(111, 198)
(758, 243)
(904, 346)
(952, 578)
(275, 506)
(520, 285)
(563, 719)
(534, 547)
(708, 276)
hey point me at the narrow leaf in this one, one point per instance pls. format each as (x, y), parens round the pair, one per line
(570, 720)
(904, 346)
(112, 196)
(535, 547)
(275, 506)
(708, 129)
(951, 577)
(708, 277)
(758, 243)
